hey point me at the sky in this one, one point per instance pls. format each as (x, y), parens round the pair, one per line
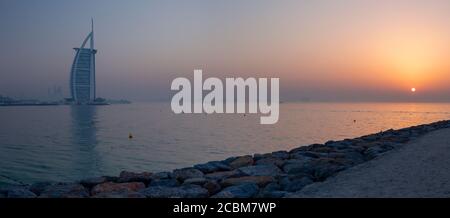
(335, 50)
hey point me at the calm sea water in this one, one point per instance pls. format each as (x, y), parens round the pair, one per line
(67, 143)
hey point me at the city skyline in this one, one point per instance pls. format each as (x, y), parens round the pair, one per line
(320, 50)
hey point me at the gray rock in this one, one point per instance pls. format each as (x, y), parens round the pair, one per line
(38, 187)
(161, 175)
(195, 181)
(190, 191)
(187, 173)
(376, 151)
(336, 146)
(325, 168)
(258, 180)
(224, 174)
(164, 182)
(371, 138)
(212, 166)
(5, 188)
(242, 162)
(284, 182)
(296, 184)
(320, 148)
(64, 190)
(330, 142)
(117, 187)
(273, 186)
(261, 170)
(280, 154)
(274, 194)
(256, 157)
(354, 157)
(20, 193)
(229, 160)
(400, 138)
(270, 160)
(195, 191)
(239, 191)
(295, 166)
(305, 148)
(91, 182)
(309, 154)
(212, 186)
(268, 189)
(119, 194)
(144, 177)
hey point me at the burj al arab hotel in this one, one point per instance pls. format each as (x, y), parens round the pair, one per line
(82, 75)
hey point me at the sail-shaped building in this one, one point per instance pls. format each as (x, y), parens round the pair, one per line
(82, 75)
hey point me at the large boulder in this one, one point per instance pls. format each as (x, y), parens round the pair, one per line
(126, 176)
(212, 186)
(224, 174)
(261, 170)
(293, 185)
(119, 194)
(280, 154)
(164, 182)
(195, 181)
(64, 190)
(353, 157)
(376, 151)
(299, 165)
(20, 193)
(270, 160)
(261, 181)
(276, 154)
(91, 182)
(241, 162)
(274, 194)
(195, 191)
(161, 175)
(326, 167)
(38, 187)
(117, 187)
(309, 154)
(333, 146)
(187, 173)
(247, 190)
(212, 166)
(188, 191)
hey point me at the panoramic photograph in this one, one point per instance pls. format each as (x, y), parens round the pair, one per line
(253, 99)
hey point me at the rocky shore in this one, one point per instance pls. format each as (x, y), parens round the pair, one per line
(272, 175)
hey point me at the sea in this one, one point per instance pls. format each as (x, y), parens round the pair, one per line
(68, 143)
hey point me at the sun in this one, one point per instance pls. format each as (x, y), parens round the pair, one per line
(413, 89)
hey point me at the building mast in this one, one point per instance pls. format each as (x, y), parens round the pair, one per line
(93, 58)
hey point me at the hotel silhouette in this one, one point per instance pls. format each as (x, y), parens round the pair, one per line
(82, 75)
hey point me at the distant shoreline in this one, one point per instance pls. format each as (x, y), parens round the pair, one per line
(58, 104)
(271, 175)
(12, 105)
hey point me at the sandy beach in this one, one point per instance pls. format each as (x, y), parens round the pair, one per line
(420, 168)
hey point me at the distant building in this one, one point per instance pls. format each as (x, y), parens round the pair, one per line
(82, 76)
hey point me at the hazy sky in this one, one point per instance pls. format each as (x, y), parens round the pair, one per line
(324, 50)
